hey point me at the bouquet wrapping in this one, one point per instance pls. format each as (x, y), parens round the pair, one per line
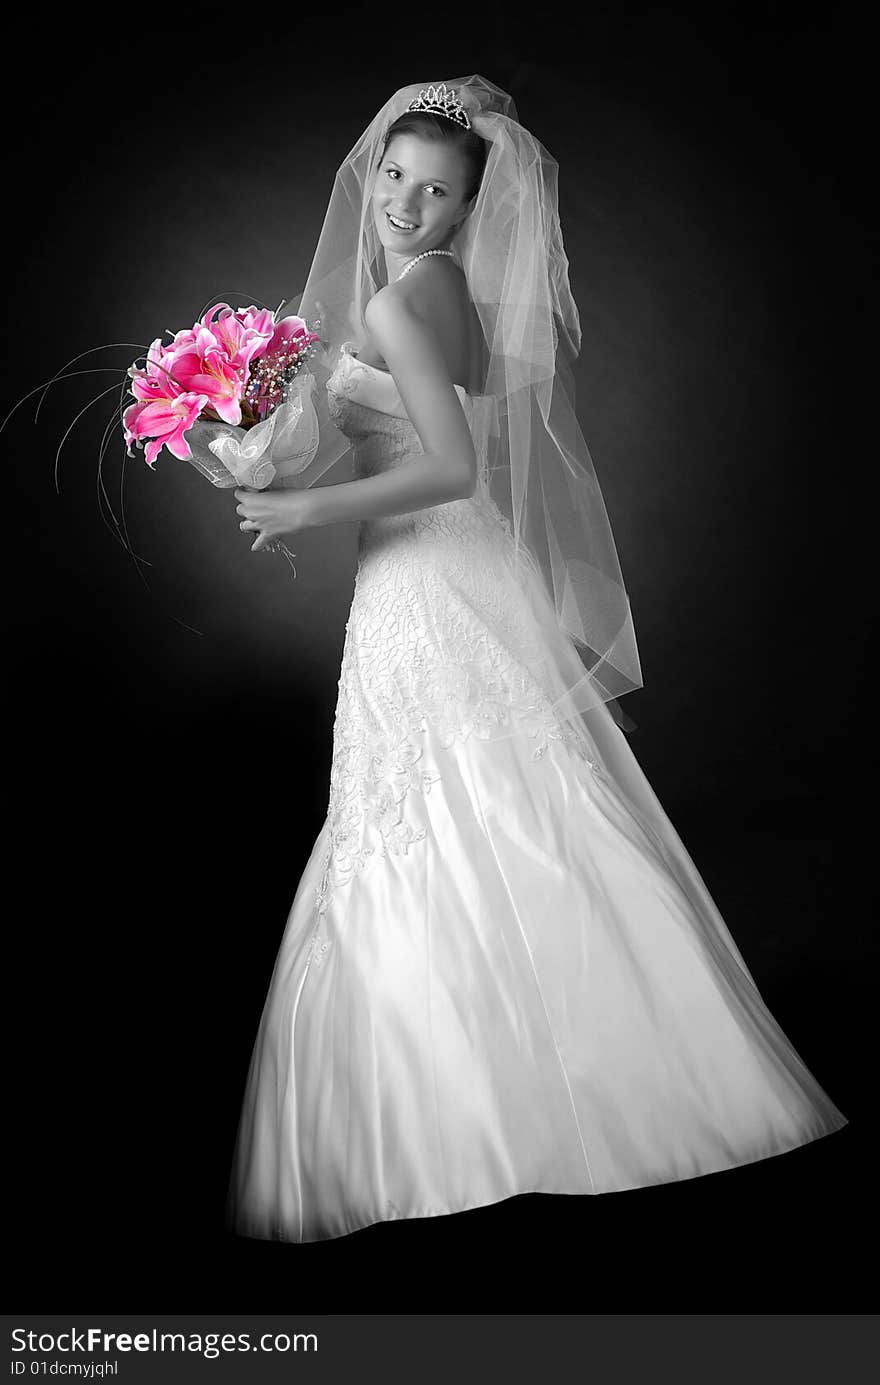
(271, 453)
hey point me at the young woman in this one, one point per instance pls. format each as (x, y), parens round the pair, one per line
(502, 971)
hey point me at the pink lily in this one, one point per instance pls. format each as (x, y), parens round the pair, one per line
(164, 422)
(159, 380)
(261, 320)
(215, 376)
(288, 331)
(243, 334)
(146, 387)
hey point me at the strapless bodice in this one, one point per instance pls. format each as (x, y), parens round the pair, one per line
(366, 384)
(365, 404)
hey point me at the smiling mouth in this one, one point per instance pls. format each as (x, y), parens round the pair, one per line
(399, 225)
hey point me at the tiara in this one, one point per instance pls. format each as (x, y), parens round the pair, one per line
(441, 102)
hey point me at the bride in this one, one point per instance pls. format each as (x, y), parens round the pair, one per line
(502, 971)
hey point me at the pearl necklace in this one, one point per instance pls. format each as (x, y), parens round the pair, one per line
(409, 264)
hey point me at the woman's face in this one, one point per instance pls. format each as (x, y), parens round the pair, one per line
(421, 183)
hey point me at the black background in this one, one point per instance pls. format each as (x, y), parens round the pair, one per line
(169, 728)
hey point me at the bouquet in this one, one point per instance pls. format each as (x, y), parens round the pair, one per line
(229, 395)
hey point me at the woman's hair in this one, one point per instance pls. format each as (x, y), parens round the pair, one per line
(427, 125)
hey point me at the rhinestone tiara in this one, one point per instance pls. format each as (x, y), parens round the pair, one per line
(441, 102)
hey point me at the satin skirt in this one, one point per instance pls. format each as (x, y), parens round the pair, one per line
(534, 997)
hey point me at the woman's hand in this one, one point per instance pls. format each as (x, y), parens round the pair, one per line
(273, 513)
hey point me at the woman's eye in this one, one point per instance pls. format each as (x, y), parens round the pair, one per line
(393, 172)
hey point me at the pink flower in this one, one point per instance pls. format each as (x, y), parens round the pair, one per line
(255, 319)
(164, 422)
(208, 370)
(209, 365)
(292, 333)
(243, 334)
(157, 380)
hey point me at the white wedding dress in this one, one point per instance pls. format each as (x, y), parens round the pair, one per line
(499, 975)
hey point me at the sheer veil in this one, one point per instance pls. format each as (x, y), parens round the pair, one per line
(532, 457)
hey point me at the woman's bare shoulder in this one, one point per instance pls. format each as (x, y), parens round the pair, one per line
(430, 283)
(434, 295)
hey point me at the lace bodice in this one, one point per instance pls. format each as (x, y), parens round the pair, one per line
(438, 637)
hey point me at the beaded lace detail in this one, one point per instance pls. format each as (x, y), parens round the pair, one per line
(435, 639)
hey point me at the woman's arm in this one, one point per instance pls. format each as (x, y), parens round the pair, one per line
(447, 470)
